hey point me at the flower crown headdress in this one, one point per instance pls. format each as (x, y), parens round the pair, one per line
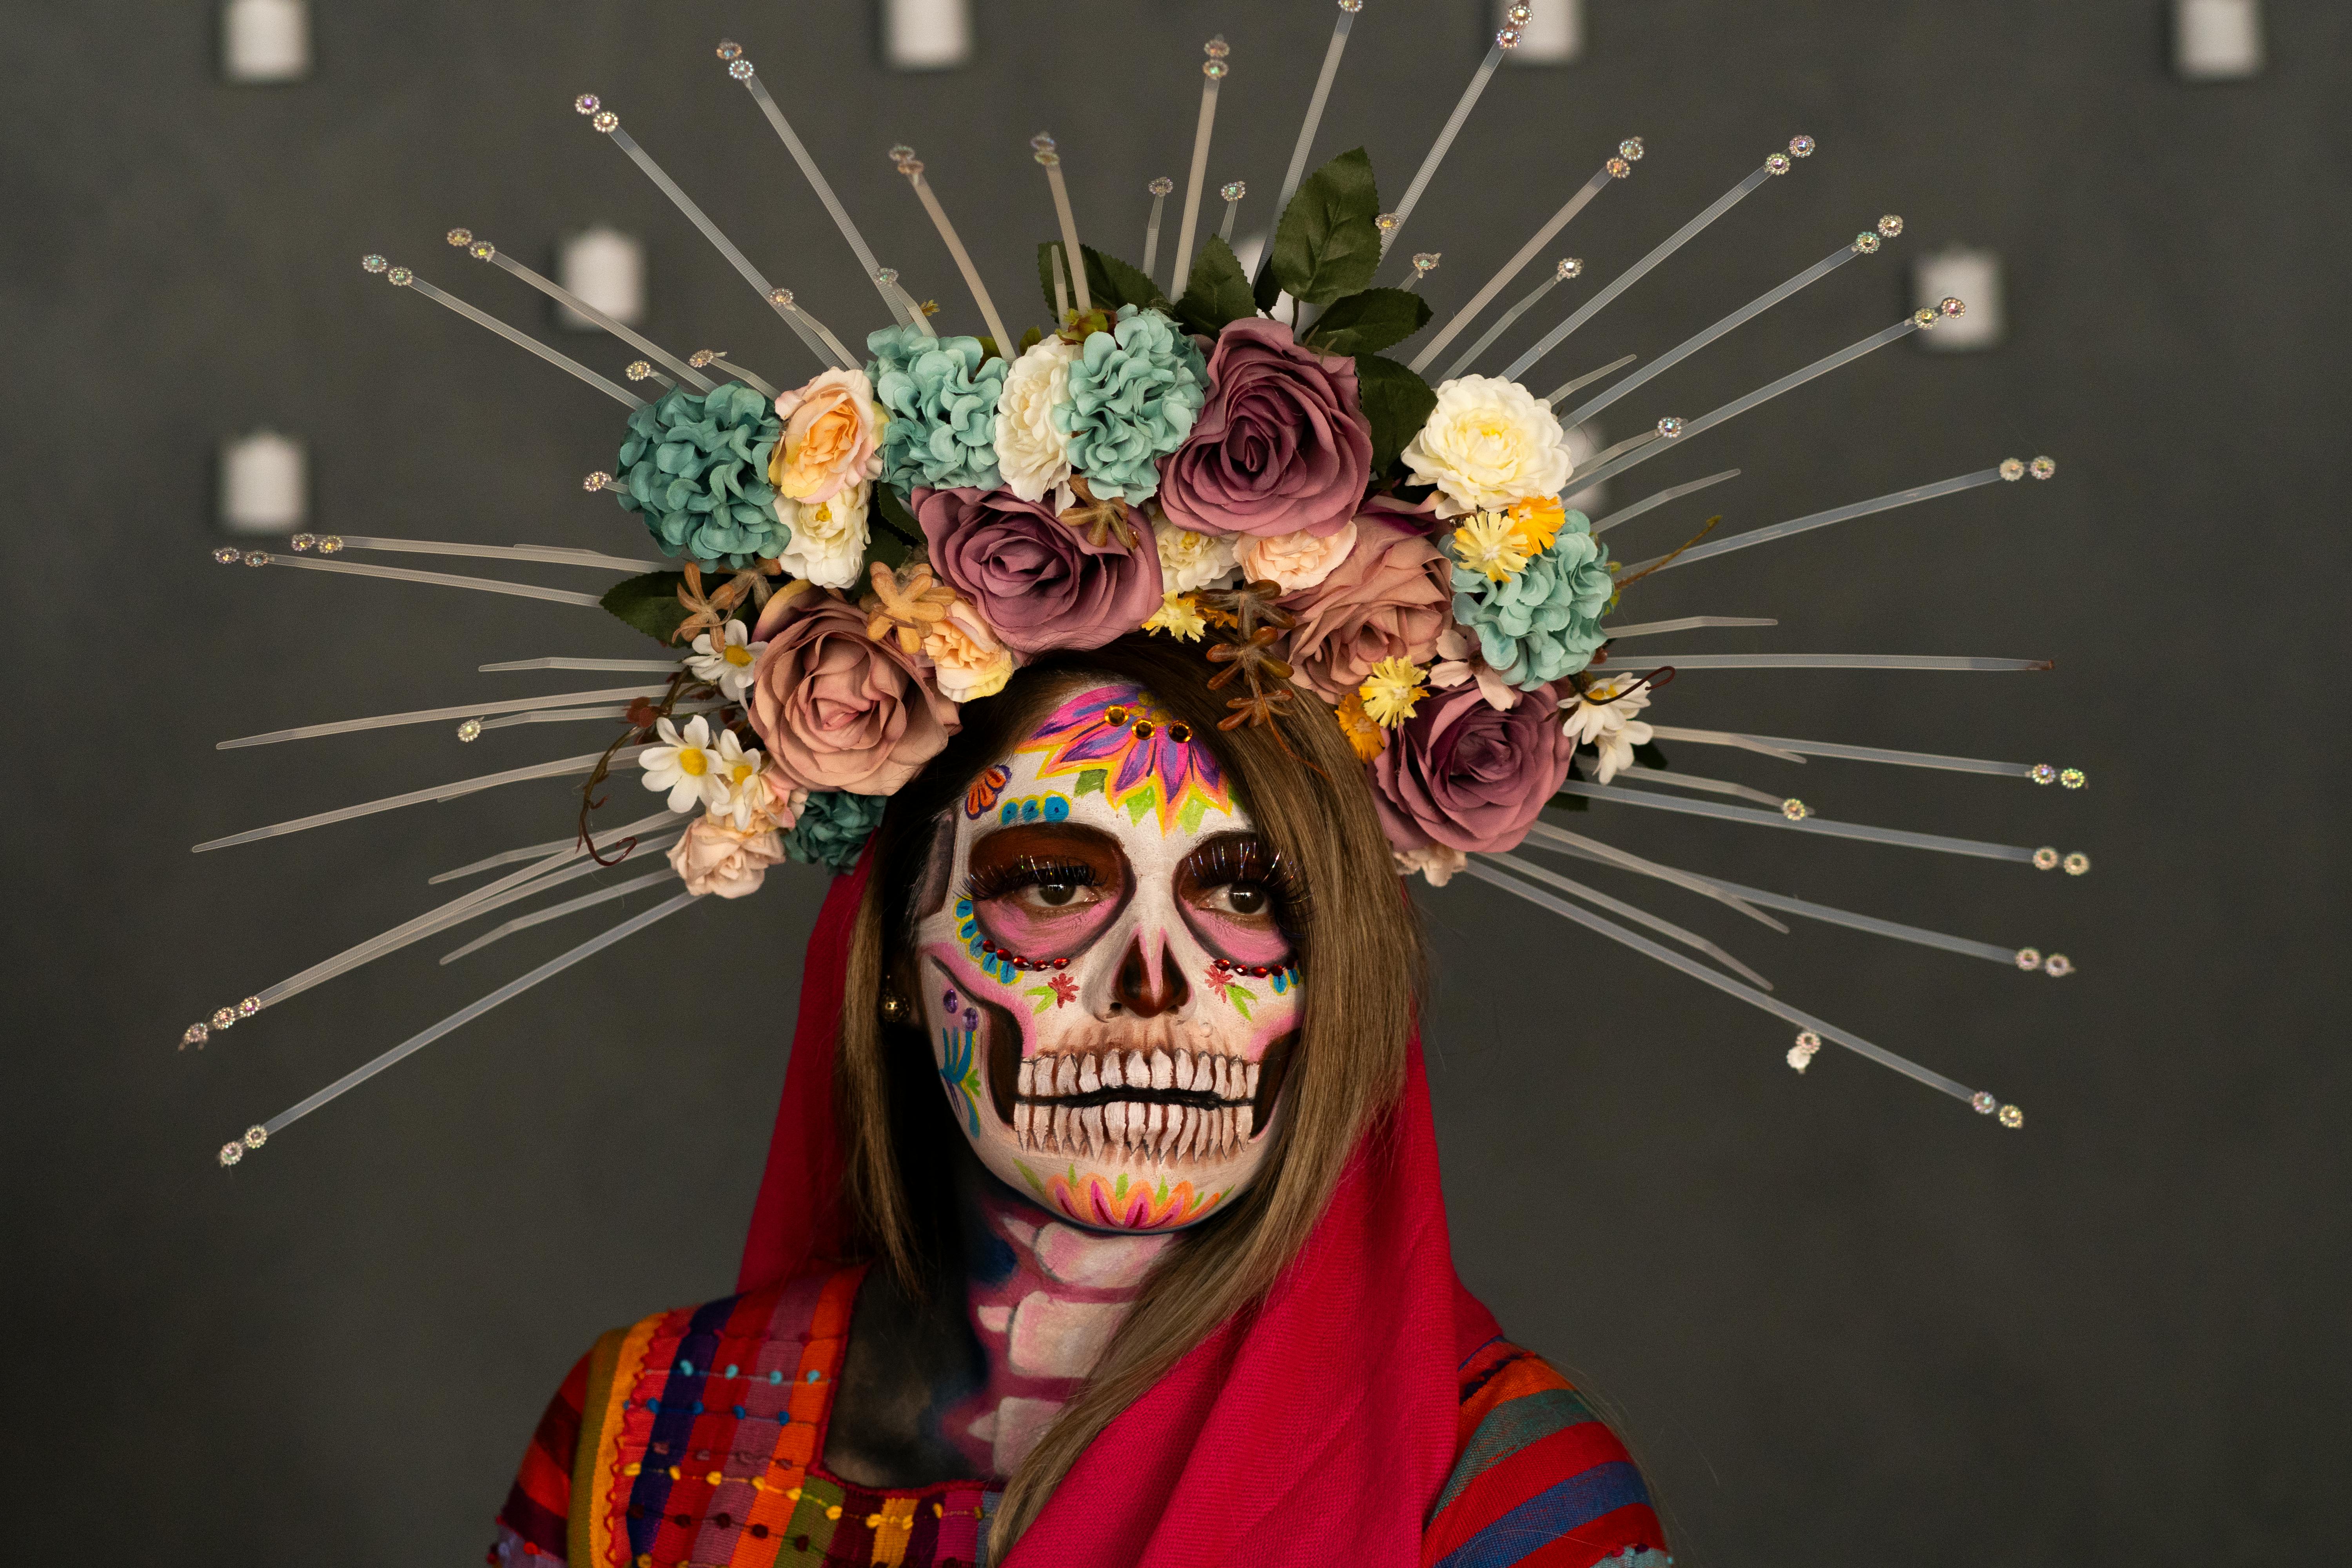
(1242, 466)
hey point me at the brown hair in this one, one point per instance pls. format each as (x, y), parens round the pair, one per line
(1358, 945)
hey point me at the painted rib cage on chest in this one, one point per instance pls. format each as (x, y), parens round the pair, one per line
(1155, 1107)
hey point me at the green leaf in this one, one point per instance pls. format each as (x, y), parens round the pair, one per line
(650, 603)
(1396, 402)
(1650, 755)
(892, 516)
(1111, 282)
(1327, 244)
(1370, 321)
(1217, 292)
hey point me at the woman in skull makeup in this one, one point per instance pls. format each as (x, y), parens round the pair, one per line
(1102, 1216)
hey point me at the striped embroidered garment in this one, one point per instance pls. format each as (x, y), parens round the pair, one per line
(693, 1440)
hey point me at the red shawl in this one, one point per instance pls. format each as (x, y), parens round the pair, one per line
(1318, 1430)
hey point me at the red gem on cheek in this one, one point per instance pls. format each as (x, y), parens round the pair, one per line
(1061, 963)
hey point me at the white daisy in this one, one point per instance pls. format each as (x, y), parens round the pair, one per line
(1603, 720)
(684, 764)
(727, 666)
(739, 796)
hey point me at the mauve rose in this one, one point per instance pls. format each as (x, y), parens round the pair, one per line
(1461, 774)
(1413, 517)
(1039, 583)
(837, 709)
(1281, 446)
(1390, 598)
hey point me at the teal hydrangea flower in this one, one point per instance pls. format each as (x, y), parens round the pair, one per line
(1543, 624)
(833, 828)
(1135, 392)
(696, 466)
(941, 400)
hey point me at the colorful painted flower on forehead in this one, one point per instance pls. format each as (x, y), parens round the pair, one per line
(1138, 756)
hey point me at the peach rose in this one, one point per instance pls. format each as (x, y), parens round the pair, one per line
(967, 661)
(833, 428)
(1294, 560)
(837, 709)
(714, 858)
(1389, 597)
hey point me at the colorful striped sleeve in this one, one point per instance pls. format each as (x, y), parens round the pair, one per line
(532, 1525)
(1538, 1480)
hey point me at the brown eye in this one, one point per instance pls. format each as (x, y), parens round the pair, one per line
(1245, 899)
(1056, 895)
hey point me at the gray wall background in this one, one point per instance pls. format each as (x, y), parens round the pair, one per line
(1843, 1319)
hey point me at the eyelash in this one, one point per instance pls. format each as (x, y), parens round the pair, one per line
(981, 887)
(1246, 862)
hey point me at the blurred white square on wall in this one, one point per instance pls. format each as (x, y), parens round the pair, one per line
(264, 40)
(606, 267)
(1553, 34)
(1971, 277)
(2217, 40)
(263, 483)
(926, 34)
(1584, 441)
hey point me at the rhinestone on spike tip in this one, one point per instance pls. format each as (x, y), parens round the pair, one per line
(1778, 163)
(740, 70)
(2045, 858)
(1234, 190)
(729, 49)
(1570, 266)
(1631, 149)
(1801, 1054)
(1519, 15)
(2058, 966)
(587, 103)
(373, 263)
(195, 1034)
(1982, 1103)
(1795, 810)
(1924, 320)
(226, 554)
(461, 237)
(606, 121)
(1619, 168)
(2042, 468)
(2077, 864)
(1803, 146)
(782, 299)
(2011, 1118)
(481, 250)
(1670, 427)
(596, 481)
(2011, 469)
(2029, 959)
(1890, 225)
(1866, 242)
(2074, 778)
(400, 277)
(1160, 186)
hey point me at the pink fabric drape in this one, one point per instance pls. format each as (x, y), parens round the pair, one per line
(1315, 1429)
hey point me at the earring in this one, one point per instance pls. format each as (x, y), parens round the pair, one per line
(894, 1006)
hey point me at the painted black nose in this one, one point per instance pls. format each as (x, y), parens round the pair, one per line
(1134, 992)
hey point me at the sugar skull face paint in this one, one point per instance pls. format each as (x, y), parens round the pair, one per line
(1109, 982)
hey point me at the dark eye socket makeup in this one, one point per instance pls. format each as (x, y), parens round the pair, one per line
(1045, 890)
(1237, 894)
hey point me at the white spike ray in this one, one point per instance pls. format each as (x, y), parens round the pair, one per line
(540, 851)
(1733, 893)
(745, 376)
(1306, 142)
(1722, 983)
(1647, 503)
(467, 1015)
(558, 661)
(434, 579)
(807, 328)
(1445, 142)
(1822, 519)
(1703, 785)
(1687, 624)
(1510, 269)
(556, 911)
(1827, 661)
(626, 755)
(619, 329)
(552, 554)
(565, 363)
(1796, 751)
(1900, 837)
(1762, 394)
(544, 870)
(1628, 912)
(810, 173)
(575, 715)
(1590, 376)
(1634, 274)
(1544, 836)
(430, 715)
(1689, 346)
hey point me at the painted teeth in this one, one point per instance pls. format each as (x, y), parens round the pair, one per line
(1143, 1131)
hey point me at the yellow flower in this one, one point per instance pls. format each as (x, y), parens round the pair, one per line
(1179, 617)
(1537, 521)
(1396, 687)
(1490, 542)
(1355, 724)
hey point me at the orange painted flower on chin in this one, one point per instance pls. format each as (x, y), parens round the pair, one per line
(1123, 1203)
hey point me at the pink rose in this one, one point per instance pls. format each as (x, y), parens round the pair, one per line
(1281, 446)
(1388, 598)
(1294, 560)
(714, 858)
(1462, 773)
(837, 709)
(830, 439)
(1037, 582)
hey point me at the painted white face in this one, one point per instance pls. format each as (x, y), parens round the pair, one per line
(1110, 994)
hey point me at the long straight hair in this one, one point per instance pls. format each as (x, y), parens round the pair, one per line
(1358, 950)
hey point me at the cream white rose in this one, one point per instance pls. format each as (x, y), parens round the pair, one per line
(828, 536)
(1190, 560)
(1294, 560)
(1033, 456)
(1489, 443)
(714, 859)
